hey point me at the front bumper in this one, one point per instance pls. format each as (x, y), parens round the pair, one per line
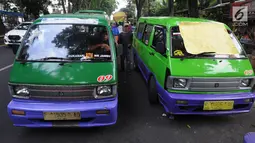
(196, 102)
(34, 113)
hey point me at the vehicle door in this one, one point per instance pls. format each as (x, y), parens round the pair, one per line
(158, 57)
(144, 50)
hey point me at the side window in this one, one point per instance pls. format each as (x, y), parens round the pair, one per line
(146, 34)
(140, 31)
(159, 37)
(178, 48)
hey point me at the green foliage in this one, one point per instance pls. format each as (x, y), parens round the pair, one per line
(129, 10)
(106, 5)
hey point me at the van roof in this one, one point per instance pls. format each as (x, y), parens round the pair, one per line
(100, 17)
(172, 21)
(90, 12)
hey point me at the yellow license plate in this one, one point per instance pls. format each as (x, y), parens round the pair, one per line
(62, 115)
(218, 105)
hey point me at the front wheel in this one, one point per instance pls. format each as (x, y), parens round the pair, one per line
(152, 91)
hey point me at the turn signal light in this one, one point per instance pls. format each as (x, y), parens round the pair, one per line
(248, 100)
(18, 112)
(182, 102)
(103, 111)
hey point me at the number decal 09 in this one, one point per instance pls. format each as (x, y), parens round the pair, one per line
(104, 78)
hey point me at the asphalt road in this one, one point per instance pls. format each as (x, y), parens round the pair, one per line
(138, 122)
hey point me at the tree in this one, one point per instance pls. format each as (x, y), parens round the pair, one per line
(63, 6)
(33, 7)
(139, 6)
(7, 7)
(170, 7)
(106, 5)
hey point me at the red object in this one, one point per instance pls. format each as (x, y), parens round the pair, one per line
(108, 77)
(129, 27)
(101, 78)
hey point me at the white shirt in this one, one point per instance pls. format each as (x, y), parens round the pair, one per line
(120, 28)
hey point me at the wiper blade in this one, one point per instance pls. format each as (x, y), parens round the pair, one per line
(204, 53)
(53, 58)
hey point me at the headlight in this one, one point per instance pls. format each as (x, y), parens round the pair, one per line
(179, 83)
(104, 90)
(20, 92)
(5, 36)
(245, 82)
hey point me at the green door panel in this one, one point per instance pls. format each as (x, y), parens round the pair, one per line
(209, 67)
(53, 73)
(157, 65)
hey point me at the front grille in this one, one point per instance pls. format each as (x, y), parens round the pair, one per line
(14, 37)
(61, 92)
(214, 84)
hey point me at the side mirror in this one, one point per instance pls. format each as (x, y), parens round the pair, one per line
(160, 48)
(15, 49)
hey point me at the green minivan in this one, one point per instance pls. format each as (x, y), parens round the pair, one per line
(65, 73)
(193, 66)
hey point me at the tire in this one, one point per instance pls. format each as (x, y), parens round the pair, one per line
(152, 91)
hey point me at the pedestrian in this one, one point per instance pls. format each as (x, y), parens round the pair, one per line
(115, 32)
(120, 27)
(129, 27)
(125, 39)
(133, 27)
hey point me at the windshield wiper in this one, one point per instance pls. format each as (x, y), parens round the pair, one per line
(53, 58)
(198, 55)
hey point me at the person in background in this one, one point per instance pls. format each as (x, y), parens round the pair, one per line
(129, 27)
(120, 27)
(115, 32)
(133, 27)
(245, 37)
(125, 39)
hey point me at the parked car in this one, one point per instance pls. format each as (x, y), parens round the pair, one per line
(193, 66)
(14, 37)
(70, 79)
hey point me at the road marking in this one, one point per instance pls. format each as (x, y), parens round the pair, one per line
(4, 68)
(3, 45)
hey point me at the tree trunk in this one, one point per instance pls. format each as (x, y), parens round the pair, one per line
(193, 8)
(139, 5)
(69, 6)
(139, 10)
(63, 6)
(170, 7)
(149, 5)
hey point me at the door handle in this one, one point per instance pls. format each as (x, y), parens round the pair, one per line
(151, 53)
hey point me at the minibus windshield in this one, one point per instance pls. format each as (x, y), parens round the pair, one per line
(65, 42)
(179, 49)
